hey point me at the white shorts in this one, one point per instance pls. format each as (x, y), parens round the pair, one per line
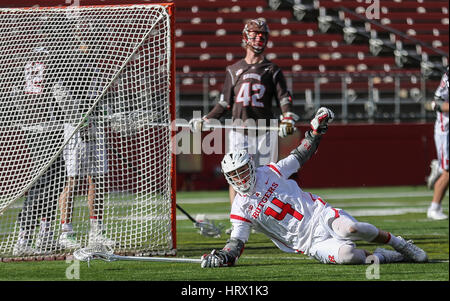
(263, 148)
(85, 157)
(326, 247)
(441, 142)
(327, 251)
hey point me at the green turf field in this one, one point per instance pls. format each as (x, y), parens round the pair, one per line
(401, 210)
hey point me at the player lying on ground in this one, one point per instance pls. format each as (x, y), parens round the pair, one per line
(298, 221)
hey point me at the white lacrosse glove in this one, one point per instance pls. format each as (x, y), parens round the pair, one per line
(196, 124)
(217, 259)
(287, 125)
(321, 120)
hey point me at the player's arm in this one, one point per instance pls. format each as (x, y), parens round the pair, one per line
(232, 250)
(223, 105)
(287, 118)
(437, 105)
(440, 102)
(234, 247)
(309, 144)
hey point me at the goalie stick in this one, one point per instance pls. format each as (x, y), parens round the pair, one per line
(106, 254)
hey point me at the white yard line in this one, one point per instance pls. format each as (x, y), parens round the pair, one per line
(379, 195)
(353, 212)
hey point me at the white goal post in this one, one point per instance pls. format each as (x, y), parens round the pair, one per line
(87, 97)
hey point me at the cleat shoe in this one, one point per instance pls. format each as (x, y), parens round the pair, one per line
(97, 238)
(434, 174)
(67, 240)
(389, 256)
(436, 214)
(45, 243)
(23, 247)
(411, 252)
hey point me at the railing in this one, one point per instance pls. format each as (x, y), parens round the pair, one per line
(354, 96)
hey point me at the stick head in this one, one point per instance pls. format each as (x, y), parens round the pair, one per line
(208, 228)
(97, 251)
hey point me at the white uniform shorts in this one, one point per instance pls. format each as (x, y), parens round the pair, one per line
(263, 148)
(85, 157)
(441, 142)
(327, 250)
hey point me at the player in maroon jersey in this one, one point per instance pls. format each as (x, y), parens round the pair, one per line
(250, 86)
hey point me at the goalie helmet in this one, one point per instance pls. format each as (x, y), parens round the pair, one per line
(252, 29)
(239, 170)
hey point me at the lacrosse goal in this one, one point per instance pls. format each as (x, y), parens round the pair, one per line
(87, 99)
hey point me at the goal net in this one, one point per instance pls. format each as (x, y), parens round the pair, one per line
(87, 99)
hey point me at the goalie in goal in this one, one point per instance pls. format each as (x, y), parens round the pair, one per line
(84, 155)
(295, 220)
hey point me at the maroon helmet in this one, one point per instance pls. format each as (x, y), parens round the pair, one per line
(253, 29)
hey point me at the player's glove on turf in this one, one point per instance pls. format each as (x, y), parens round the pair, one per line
(217, 259)
(287, 125)
(196, 124)
(321, 120)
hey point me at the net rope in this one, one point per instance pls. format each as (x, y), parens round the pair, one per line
(85, 134)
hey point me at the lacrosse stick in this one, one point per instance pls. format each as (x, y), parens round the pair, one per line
(206, 227)
(133, 121)
(104, 253)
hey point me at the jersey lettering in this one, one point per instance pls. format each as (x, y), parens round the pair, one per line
(286, 208)
(34, 76)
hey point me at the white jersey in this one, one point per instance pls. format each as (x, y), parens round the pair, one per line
(441, 124)
(291, 218)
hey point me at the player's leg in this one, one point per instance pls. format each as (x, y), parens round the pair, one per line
(347, 227)
(98, 169)
(440, 188)
(441, 185)
(67, 239)
(73, 154)
(267, 151)
(27, 220)
(54, 185)
(236, 140)
(338, 251)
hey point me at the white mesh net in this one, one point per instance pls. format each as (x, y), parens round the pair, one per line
(85, 151)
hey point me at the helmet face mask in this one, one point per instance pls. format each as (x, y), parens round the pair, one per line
(239, 171)
(253, 30)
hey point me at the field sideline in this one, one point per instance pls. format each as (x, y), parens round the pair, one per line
(401, 210)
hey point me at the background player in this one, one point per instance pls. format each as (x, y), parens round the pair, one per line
(298, 221)
(248, 91)
(41, 201)
(85, 156)
(439, 177)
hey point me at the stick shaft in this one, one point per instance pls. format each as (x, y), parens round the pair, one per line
(156, 259)
(187, 214)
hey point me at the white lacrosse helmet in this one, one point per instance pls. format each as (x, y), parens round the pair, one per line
(239, 170)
